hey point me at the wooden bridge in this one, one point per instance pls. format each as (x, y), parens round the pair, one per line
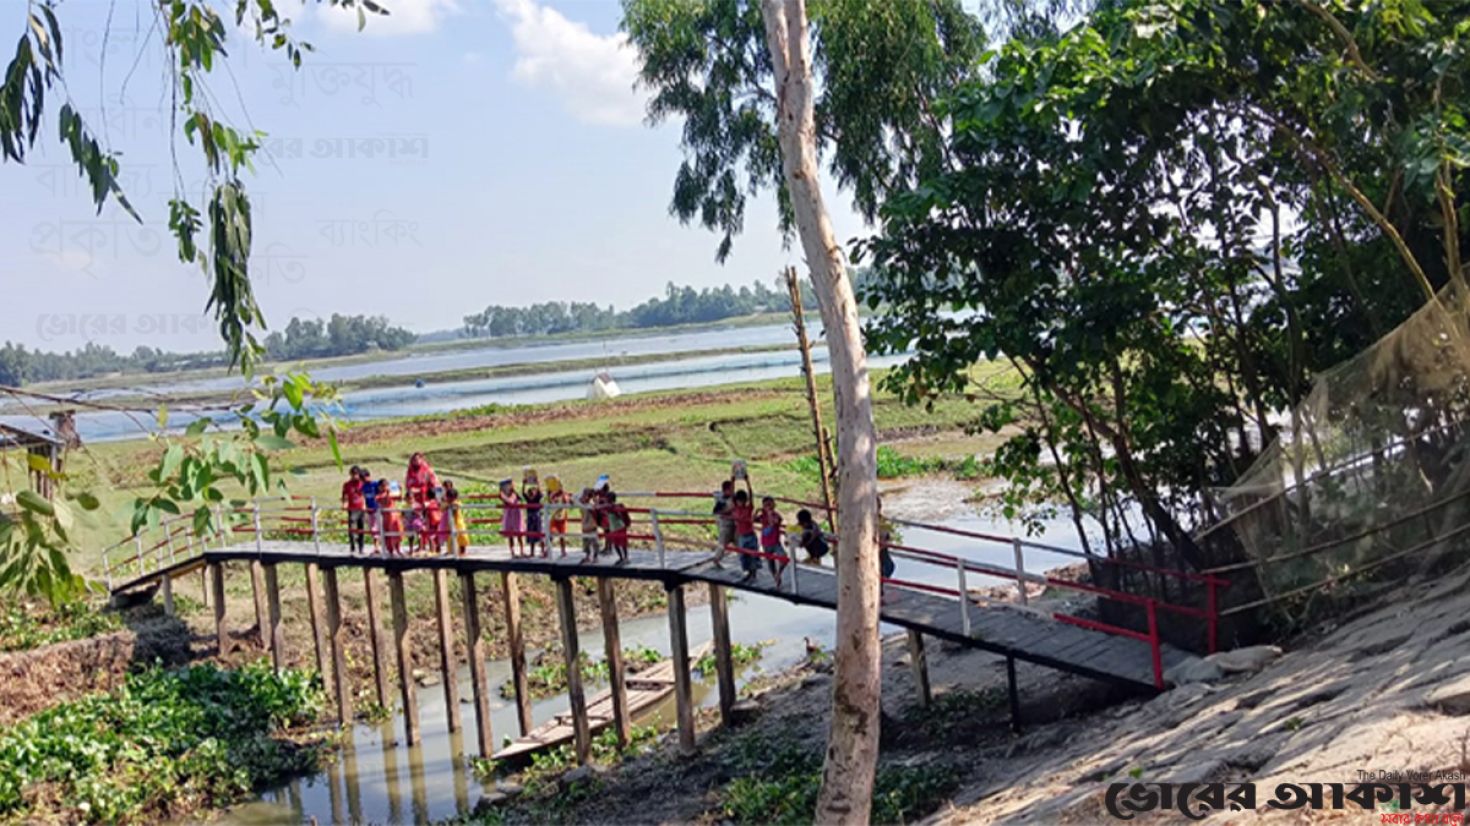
(280, 532)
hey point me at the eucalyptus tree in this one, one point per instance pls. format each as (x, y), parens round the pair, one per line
(762, 90)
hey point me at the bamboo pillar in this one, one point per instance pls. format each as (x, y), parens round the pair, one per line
(262, 613)
(582, 735)
(824, 456)
(511, 591)
(613, 646)
(318, 625)
(447, 665)
(204, 585)
(166, 585)
(919, 661)
(217, 575)
(402, 644)
(277, 635)
(338, 642)
(375, 636)
(475, 651)
(719, 611)
(679, 649)
(1014, 694)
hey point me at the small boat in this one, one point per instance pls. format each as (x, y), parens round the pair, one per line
(603, 387)
(646, 689)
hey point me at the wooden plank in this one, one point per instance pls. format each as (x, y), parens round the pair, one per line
(582, 735)
(262, 612)
(475, 650)
(403, 645)
(318, 625)
(375, 637)
(217, 576)
(613, 650)
(511, 592)
(277, 626)
(167, 587)
(919, 662)
(337, 639)
(679, 647)
(719, 609)
(448, 668)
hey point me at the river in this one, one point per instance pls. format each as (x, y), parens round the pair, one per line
(378, 779)
(407, 399)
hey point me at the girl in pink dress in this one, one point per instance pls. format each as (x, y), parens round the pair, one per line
(510, 519)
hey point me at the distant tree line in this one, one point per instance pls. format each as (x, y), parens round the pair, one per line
(679, 305)
(340, 336)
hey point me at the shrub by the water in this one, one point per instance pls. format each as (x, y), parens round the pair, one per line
(168, 741)
(23, 626)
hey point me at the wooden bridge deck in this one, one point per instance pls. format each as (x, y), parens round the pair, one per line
(1016, 632)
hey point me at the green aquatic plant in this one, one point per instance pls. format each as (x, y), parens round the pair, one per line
(167, 739)
(24, 626)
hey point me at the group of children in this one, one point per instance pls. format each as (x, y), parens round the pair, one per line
(429, 517)
(531, 520)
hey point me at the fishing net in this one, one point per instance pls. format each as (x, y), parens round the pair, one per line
(1368, 477)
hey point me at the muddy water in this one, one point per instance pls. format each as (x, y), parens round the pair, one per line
(377, 779)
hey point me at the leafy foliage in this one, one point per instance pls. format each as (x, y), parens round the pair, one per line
(779, 779)
(165, 739)
(1165, 219)
(194, 36)
(24, 626)
(882, 66)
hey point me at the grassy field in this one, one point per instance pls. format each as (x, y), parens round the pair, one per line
(672, 440)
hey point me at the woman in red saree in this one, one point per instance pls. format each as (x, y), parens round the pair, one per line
(419, 486)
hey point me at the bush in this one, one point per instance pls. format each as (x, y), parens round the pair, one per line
(166, 738)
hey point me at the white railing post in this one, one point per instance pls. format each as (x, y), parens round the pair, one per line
(795, 566)
(138, 543)
(255, 515)
(1020, 568)
(224, 527)
(168, 536)
(316, 537)
(658, 535)
(959, 565)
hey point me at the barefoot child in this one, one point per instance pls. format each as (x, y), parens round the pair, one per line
(455, 517)
(811, 539)
(589, 525)
(392, 519)
(617, 527)
(531, 497)
(725, 526)
(742, 513)
(557, 500)
(414, 529)
(770, 521)
(510, 518)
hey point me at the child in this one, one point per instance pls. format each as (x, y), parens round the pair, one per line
(370, 490)
(356, 506)
(531, 495)
(589, 525)
(725, 526)
(557, 500)
(770, 521)
(414, 530)
(510, 519)
(811, 540)
(392, 520)
(456, 517)
(617, 527)
(742, 513)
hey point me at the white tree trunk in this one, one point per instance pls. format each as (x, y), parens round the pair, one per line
(852, 747)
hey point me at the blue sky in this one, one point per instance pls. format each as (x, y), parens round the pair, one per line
(455, 154)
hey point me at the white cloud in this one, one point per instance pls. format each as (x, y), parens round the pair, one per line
(404, 17)
(591, 74)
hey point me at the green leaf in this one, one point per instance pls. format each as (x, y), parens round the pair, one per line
(271, 441)
(171, 460)
(197, 426)
(336, 448)
(35, 503)
(87, 501)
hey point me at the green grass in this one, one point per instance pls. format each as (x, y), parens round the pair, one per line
(166, 742)
(24, 626)
(779, 780)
